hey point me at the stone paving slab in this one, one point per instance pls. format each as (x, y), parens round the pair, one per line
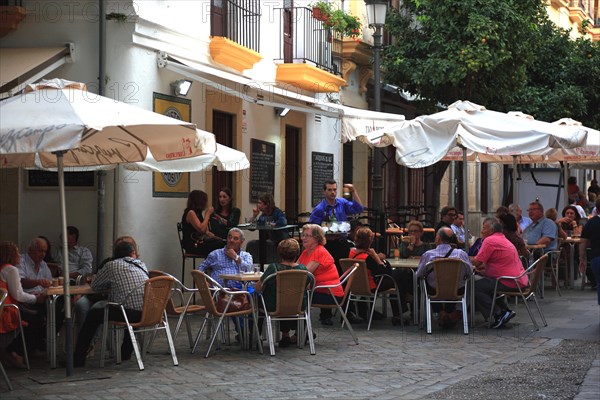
(389, 362)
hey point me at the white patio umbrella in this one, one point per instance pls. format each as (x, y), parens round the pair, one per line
(58, 123)
(425, 140)
(224, 158)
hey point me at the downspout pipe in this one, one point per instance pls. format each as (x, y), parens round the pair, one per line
(101, 175)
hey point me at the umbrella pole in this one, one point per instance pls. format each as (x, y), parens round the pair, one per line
(515, 191)
(65, 257)
(565, 182)
(466, 197)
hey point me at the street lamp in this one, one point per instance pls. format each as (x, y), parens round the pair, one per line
(376, 12)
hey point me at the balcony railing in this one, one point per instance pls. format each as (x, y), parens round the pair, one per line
(307, 40)
(237, 20)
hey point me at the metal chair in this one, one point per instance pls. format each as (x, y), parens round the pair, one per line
(346, 279)
(534, 272)
(209, 289)
(292, 287)
(157, 294)
(360, 290)
(3, 297)
(184, 310)
(449, 274)
(554, 265)
(184, 254)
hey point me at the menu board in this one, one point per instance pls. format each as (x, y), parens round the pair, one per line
(262, 169)
(322, 170)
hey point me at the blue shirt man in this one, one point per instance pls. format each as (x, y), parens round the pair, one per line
(542, 230)
(332, 206)
(228, 260)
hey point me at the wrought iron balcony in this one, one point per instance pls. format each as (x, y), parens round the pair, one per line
(304, 39)
(237, 20)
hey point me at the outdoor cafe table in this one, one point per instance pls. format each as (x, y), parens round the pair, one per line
(245, 279)
(412, 264)
(52, 294)
(572, 241)
(263, 236)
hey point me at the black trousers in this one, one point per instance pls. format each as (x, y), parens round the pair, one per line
(94, 319)
(34, 333)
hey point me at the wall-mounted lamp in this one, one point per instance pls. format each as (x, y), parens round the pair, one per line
(181, 87)
(281, 112)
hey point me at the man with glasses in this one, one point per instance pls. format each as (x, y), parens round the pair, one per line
(542, 230)
(448, 216)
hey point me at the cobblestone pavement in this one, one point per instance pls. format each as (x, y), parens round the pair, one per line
(389, 363)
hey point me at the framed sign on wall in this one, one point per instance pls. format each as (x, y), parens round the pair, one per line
(171, 184)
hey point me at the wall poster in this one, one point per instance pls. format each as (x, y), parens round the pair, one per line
(171, 184)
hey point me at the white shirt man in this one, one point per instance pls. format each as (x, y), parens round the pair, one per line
(33, 270)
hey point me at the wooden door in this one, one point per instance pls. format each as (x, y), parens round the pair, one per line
(223, 124)
(288, 31)
(291, 172)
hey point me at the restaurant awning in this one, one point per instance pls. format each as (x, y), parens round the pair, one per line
(22, 66)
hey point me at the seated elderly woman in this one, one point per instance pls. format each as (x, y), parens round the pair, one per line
(377, 267)
(11, 281)
(414, 247)
(320, 263)
(288, 250)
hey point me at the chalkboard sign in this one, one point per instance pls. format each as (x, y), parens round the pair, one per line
(262, 169)
(38, 179)
(322, 170)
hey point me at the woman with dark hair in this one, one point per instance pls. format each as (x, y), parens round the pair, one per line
(225, 216)
(510, 229)
(269, 215)
(197, 237)
(288, 250)
(570, 221)
(11, 282)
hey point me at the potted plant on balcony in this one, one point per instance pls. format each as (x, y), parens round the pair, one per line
(337, 20)
(345, 24)
(321, 10)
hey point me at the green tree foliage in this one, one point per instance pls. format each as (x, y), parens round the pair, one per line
(504, 54)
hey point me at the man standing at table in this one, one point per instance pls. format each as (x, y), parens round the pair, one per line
(80, 258)
(229, 260)
(590, 237)
(497, 257)
(332, 209)
(542, 230)
(120, 276)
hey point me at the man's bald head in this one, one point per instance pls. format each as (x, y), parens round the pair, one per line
(445, 235)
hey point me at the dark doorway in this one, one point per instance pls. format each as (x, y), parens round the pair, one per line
(291, 171)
